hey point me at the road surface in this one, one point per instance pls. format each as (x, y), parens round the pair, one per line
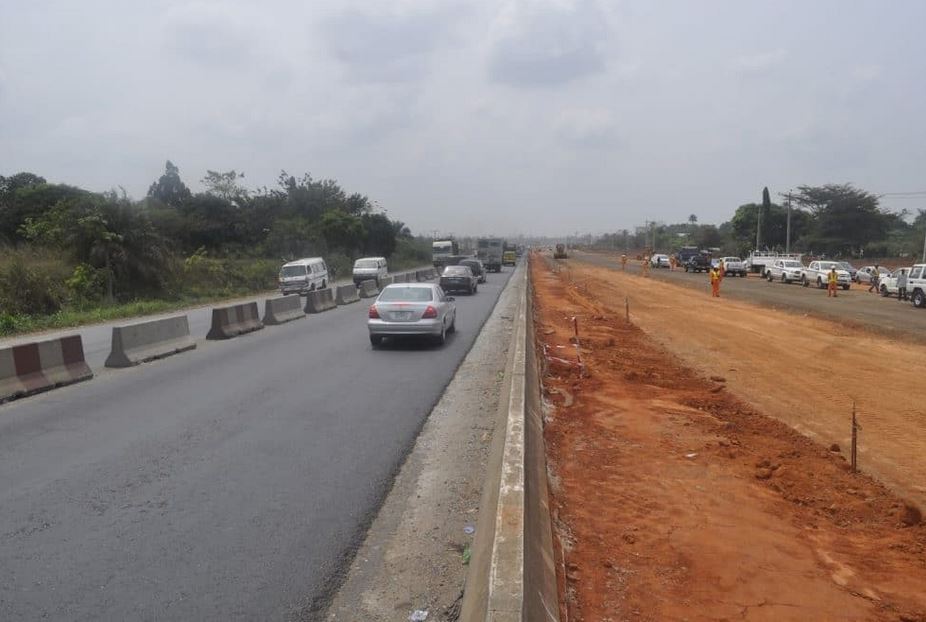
(230, 482)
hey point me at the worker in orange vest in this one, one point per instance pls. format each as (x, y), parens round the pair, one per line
(645, 266)
(623, 262)
(721, 269)
(715, 282)
(832, 280)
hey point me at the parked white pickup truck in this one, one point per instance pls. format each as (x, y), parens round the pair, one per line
(916, 285)
(816, 273)
(733, 266)
(785, 270)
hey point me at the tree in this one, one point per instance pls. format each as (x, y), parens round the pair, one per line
(169, 189)
(845, 218)
(380, 238)
(225, 186)
(342, 231)
(693, 219)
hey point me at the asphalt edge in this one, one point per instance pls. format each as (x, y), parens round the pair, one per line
(512, 574)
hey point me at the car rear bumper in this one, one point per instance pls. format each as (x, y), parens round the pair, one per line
(383, 328)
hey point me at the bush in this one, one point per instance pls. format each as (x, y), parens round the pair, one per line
(28, 292)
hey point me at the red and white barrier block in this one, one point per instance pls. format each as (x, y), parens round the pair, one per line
(41, 366)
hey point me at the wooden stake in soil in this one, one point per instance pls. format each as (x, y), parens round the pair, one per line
(854, 440)
(575, 328)
(627, 308)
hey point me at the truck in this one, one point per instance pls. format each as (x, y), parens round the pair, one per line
(784, 270)
(441, 250)
(685, 253)
(509, 256)
(489, 252)
(816, 274)
(916, 285)
(760, 261)
(699, 262)
(560, 252)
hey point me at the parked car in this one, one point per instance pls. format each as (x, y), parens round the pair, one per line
(698, 263)
(370, 269)
(852, 270)
(412, 310)
(888, 284)
(733, 266)
(864, 274)
(659, 261)
(458, 279)
(816, 274)
(784, 270)
(479, 270)
(916, 285)
(303, 275)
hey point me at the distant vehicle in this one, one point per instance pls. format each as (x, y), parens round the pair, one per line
(817, 274)
(852, 270)
(489, 251)
(916, 285)
(560, 252)
(303, 275)
(659, 261)
(370, 269)
(412, 310)
(700, 262)
(458, 279)
(759, 261)
(477, 268)
(864, 274)
(733, 266)
(509, 258)
(785, 270)
(685, 253)
(888, 284)
(441, 250)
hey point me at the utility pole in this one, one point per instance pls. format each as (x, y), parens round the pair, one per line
(788, 234)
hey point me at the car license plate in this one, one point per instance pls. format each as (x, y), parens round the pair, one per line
(402, 315)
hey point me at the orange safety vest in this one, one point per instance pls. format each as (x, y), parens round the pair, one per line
(832, 278)
(715, 275)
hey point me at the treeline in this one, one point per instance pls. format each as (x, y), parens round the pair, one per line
(63, 245)
(836, 220)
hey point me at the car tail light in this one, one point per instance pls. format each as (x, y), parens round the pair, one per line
(374, 312)
(429, 314)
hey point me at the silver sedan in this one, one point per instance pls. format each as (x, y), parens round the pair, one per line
(412, 310)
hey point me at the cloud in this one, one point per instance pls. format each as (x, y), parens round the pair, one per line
(209, 34)
(394, 47)
(586, 127)
(759, 63)
(547, 43)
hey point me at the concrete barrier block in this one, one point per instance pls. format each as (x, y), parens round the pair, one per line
(147, 341)
(347, 294)
(319, 301)
(386, 280)
(421, 276)
(282, 309)
(368, 289)
(228, 322)
(41, 366)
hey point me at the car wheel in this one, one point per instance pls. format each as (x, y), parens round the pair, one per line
(884, 291)
(819, 283)
(324, 284)
(475, 288)
(805, 282)
(845, 287)
(376, 341)
(442, 338)
(919, 299)
(453, 324)
(783, 279)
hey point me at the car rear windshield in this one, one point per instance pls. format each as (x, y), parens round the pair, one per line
(293, 271)
(791, 264)
(406, 294)
(366, 263)
(455, 271)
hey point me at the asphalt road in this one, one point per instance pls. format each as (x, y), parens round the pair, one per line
(855, 307)
(97, 338)
(230, 482)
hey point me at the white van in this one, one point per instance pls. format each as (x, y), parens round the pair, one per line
(370, 269)
(304, 275)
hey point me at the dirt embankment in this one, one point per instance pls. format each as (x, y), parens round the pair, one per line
(675, 500)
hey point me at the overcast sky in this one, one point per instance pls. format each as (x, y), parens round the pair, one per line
(542, 116)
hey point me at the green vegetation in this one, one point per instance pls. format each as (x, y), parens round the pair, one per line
(69, 256)
(837, 220)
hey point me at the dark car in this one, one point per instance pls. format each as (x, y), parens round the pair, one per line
(476, 266)
(458, 279)
(698, 263)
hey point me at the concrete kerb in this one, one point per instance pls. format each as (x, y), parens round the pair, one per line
(512, 573)
(146, 341)
(228, 322)
(282, 309)
(320, 300)
(368, 289)
(347, 294)
(35, 367)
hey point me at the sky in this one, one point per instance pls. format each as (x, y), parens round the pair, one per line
(539, 117)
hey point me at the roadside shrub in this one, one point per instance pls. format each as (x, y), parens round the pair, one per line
(28, 292)
(87, 284)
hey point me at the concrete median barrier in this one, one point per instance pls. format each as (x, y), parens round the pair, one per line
(384, 281)
(421, 276)
(228, 322)
(41, 366)
(347, 294)
(512, 573)
(368, 289)
(320, 300)
(146, 341)
(398, 277)
(282, 309)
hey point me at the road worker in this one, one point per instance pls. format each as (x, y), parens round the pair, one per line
(902, 284)
(832, 280)
(671, 263)
(715, 282)
(624, 262)
(721, 269)
(873, 283)
(645, 266)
